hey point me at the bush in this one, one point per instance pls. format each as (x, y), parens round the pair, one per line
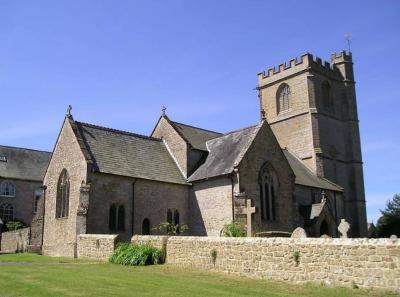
(233, 230)
(14, 225)
(129, 254)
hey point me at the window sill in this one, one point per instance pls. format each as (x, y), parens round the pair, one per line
(7, 196)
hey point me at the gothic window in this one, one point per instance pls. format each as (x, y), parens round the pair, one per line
(62, 202)
(121, 218)
(176, 220)
(268, 192)
(327, 100)
(169, 216)
(146, 227)
(116, 218)
(112, 218)
(7, 188)
(283, 98)
(6, 212)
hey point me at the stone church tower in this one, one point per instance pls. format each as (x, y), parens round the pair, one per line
(311, 107)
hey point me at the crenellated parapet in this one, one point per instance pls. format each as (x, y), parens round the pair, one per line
(305, 62)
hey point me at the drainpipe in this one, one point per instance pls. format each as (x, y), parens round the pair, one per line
(44, 214)
(133, 206)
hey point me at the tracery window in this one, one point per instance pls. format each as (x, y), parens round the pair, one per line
(116, 218)
(269, 189)
(7, 188)
(62, 202)
(146, 227)
(6, 212)
(283, 98)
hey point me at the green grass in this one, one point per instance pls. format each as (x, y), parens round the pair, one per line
(33, 275)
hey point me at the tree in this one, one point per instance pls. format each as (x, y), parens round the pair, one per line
(389, 222)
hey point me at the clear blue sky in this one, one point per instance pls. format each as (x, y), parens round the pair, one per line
(118, 62)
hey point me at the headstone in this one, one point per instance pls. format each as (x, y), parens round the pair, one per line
(393, 236)
(344, 228)
(325, 236)
(299, 233)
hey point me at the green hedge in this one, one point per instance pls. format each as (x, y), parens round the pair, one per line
(129, 254)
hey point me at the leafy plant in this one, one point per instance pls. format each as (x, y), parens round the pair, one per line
(389, 222)
(129, 254)
(171, 229)
(14, 225)
(214, 256)
(233, 230)
(296, 257)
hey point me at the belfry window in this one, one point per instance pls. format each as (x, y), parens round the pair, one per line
(269, 190)
(327, 100)
(283, 98)
(62, 202)
(6, 212)
(7, 188)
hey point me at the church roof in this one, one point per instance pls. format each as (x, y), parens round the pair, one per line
(23, 163)
(225, 152)
(129, 154)
(196, 137)
(305, 177)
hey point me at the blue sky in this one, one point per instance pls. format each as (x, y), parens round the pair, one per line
(118, 62)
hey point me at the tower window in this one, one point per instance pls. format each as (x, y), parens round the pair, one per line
(268, 192)
(327, 100)
(283, 98)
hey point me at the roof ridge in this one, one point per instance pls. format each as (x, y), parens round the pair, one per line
(190, 126)
(239, 130)
(119, 131)
(24, 148)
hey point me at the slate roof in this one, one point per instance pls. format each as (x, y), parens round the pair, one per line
(128, 154)
(196, 137)
(225, 152)
(23, 163)
(305, 177)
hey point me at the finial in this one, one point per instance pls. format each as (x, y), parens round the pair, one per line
(263, 114)
(347, 37)
(323, 196)
(163, 110)
(69, 109)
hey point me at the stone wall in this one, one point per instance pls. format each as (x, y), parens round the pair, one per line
(13, 241)
(96, 246)
(339, 262)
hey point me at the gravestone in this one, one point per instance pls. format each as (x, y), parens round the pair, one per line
(247, 210)
(299, 233)
(344, 228)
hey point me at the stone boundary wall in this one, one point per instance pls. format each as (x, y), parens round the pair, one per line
(96, 246)
(371, 263)
(17, 240)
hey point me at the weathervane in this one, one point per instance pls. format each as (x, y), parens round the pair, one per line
(69, 109)
(163, 109)
(347, 37)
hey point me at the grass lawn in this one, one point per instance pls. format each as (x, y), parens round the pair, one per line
(33, 275)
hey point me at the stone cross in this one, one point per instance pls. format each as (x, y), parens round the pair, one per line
(163, 110)
(69, 109)
(248, 210)
(344, 228)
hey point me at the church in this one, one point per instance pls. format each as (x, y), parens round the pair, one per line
(299, 165)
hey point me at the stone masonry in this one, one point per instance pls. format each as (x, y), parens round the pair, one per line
(370, 263)
(96, 246)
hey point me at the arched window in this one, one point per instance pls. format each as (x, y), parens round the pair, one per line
(121, 218)
(7, 188)
(62, 203)
(327, 100)
(146, 227)
(112, 218)
(283, 98)
(269, 189)
(6, 212)
(176, 220)
(169, 216)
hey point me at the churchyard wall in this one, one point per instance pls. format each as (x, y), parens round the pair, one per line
(96, 246)
(372, 263)
(17, 240)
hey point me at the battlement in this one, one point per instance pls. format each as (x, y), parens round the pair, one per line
(305, 61)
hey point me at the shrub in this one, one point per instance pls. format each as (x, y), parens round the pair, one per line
(233, 230)
(14, 225)
(129, 254)
(171, 229)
